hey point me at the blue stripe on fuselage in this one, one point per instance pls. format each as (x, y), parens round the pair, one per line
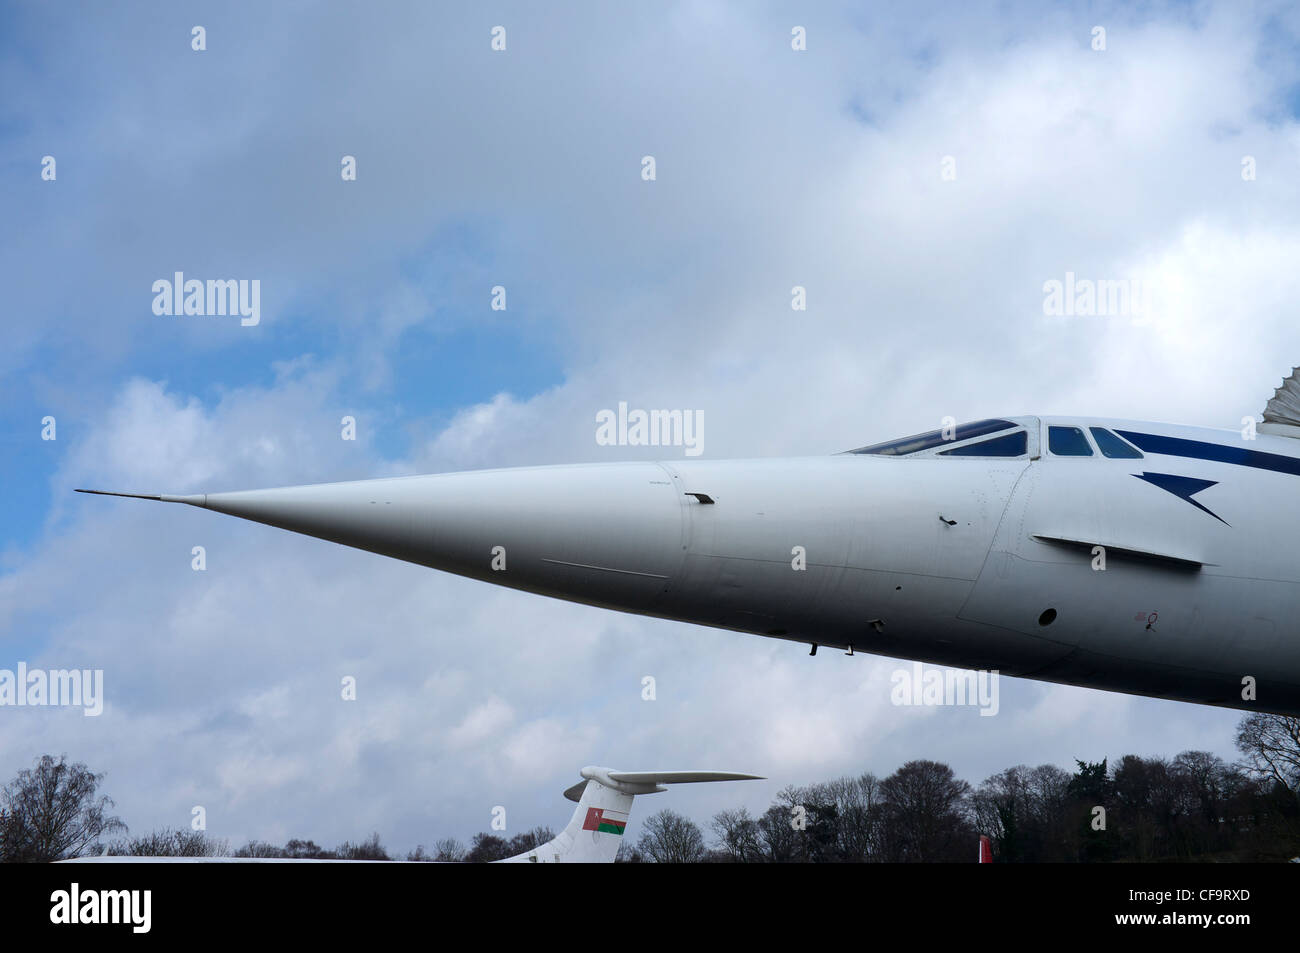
(1217, 452)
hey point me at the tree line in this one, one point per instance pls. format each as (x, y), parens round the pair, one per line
(1194, 806)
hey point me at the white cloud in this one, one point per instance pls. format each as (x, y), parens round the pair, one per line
(924, 300)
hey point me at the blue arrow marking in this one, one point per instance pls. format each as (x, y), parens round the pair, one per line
(1182, 487)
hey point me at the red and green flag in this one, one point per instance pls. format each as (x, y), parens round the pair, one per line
(607, 822)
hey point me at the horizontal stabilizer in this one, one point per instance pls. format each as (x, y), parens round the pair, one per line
(679, 777)
(650, 782)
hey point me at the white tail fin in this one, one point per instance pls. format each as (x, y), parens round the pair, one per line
(604, 805)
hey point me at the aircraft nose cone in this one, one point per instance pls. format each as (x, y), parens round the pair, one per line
(604, 534)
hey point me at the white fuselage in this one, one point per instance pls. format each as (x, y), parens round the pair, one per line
(971, 562)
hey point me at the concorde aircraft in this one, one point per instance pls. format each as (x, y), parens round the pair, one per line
(1148, 558)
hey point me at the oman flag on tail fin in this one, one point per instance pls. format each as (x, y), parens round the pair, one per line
(605, 821)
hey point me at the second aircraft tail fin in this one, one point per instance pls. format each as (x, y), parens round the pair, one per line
(604, 798)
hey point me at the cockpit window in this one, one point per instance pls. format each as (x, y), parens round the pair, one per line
(1113, 446)
(1008, 445)
(1068, 442)
(935, 438)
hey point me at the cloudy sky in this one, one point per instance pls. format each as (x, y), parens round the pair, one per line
(921, 171)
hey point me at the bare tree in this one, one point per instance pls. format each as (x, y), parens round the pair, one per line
(858, 810)
(1271, 745)
(778, 835)
(528, 840)
(925, 808)
(257, 848)
(815, 808)
(670, 838)
(449, 851)
(369, 849)
(173, 843)
(487, 848)
(737, 834)
(306, 850)
(53, 812)
(628, 854)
